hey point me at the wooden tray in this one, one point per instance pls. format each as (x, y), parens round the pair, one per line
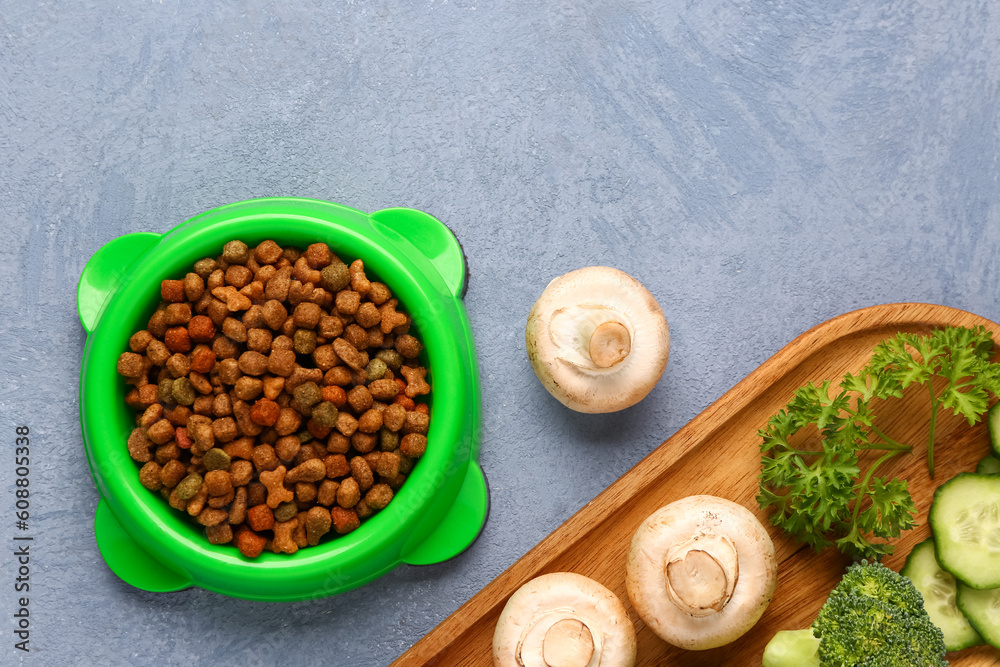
(718, 453)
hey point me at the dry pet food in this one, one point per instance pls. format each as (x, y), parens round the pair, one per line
(276, 395)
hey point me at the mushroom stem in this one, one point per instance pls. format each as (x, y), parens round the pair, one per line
(568, 643)
(609, 344)
(699, 583)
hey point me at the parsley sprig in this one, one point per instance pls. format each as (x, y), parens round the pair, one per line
(822, 496)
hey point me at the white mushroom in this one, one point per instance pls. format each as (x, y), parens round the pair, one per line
(701, 571)
(597, 340)
(563, 620)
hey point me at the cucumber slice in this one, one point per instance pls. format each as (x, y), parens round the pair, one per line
(938, 589)
(982, 608)
(990, 465)
(993, 417)
(965, 519)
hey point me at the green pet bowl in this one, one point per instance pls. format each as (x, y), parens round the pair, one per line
(440, 509)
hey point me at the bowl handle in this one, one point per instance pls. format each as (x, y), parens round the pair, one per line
(460, 526)
(128, 560)
(431, 238)
(103, 274)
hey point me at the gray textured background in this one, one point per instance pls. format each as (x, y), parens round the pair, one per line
(761, 167)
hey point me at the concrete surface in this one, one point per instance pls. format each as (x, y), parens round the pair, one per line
(761, 167)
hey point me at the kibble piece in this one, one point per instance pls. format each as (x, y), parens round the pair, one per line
(259, 340)
(370, 421)
(177, 313)
(182, 391)
(161, 432)
(326, 495)
(238, 276)
(253, 363)
(312, 470)
(388, 441)
(378, 496)
(393, 417)
(376, 370)
(247, 388)
(260, 517)
(235, 252)
(212, 517)
(131, 365)
(415, 422)
(335, 276)
(177, 339)
(378, 293)
(305, 494)
(285, 512)
(349, 354)
(265, 412)
(224, 429)
(416, 385)
(362, 473)
(306, 315)
(390, 318)
(189, 486)
(216, 459)
(344, 520)
(288, 421)
(318, 524)
(172, 290)
(157, 352)
(356, 336)
(281, 362)
(349, 493)
(172, 473)
(264, 458)
(274, 312)
(276, 491)
(307, 394)
(346, 424)
(408, 346)
(241, 448)
(337, 466)
(283, 542)
(268, 252)
(218, 482)
(287, 447)
(178, 365)
(388, 465)
(304, 341)
(234, 330)
(223, 348)
(149, 476)
(249, 543)
(330, 326)
(221, 533)
(325, 415)
(347, 302)
(139, 341)
(413, 444)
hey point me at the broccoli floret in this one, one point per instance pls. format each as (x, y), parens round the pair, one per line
(876, 618)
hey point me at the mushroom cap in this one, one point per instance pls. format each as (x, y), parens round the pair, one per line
(728, 529)
(547, 608)
(560, 340)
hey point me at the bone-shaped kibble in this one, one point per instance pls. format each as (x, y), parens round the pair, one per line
(283, 542)
(274, 480)
(390, 318)
(231, 296)
(416, 385)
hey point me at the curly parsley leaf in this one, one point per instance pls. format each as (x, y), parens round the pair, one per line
(819, 494)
